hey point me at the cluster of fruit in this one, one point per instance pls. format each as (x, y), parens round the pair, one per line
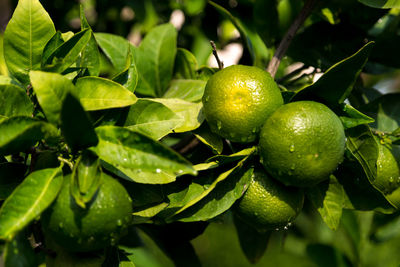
(300, 143)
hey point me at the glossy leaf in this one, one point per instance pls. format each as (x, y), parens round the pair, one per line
(97, 93)
(211, 209)
(67, 53)
(14, 101)
(219, 160)
(29, 200)
(386, 111)
(209, 138)
(50, 89)
(353, 117)
(337, 82)
(11, 174)
(189, 90)
(20, 133)
(381, 3)
(185, 64)
(76, 125)
(115, 48)
(328, 198)
(139, 158)
(191, 113)
(51, 46)
(129, 76)
(364, 148)
(85, 178)
(155, 60)
(219, 199)
(90, 56)
(152, 119)
(28, 31)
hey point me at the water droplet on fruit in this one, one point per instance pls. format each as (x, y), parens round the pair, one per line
(158, 170)
(298, 156)
(256, 213)
(291, 148)
(261, 160)
(293, 167)
(15, 251)
(113, 241)
(219, 125)
(61, 225)
(119, 223)
(398, 180)
(391, 180)
(254, 130)
(125, 159)
(207, 98)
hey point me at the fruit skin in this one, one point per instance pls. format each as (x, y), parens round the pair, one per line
(302, 143)
(267, 204)
(238, 99)
(388, 171)
(100, 225)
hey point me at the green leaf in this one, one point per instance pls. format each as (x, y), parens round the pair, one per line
(155, 60)
(353, 117)
(90, 57)
(219, 197)
(144, 214)
(67, 53)
(189, 90)
(252, 242)
(129, 76)
(211, 209)
(51, 46)
(328, 198)
(85, 178)
(29, 200)
(11, 174)
(386, 111)
(14, 101)
(115, 48)
(191, 113)
(76, 125)
(381, 3)
(28, 31)
(185, 65)
(337, 82)
(364, 147)
(152, 119)
(50, 89)
(20, 133)
(209, 138)
(219, 160)
(19, 252)
(97, 93)
(138, 157)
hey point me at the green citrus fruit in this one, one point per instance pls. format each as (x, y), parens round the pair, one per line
(238, 99)
(388, 171)
(302, 143)
(267, 204)
(100, 225)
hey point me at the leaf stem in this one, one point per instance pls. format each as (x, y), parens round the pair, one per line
(69, 163)
(214, 51)
(287, 39)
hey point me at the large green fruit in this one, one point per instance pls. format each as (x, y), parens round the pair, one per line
(302, 143)
(100, 225)
(238, 99)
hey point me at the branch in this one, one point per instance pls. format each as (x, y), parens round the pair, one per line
(214, 51)
(287, 39)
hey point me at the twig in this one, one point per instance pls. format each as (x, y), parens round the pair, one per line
(69, 163)
(287, 39)
(214, 50)
(186, 144)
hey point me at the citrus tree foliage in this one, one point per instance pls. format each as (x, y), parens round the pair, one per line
(81, 104)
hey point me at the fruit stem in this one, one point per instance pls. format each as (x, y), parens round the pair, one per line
(214, 51)
(287, 39)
